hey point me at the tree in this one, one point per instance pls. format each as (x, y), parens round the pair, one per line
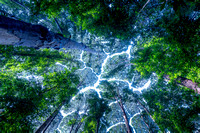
(28, 99)
(113, 93)
(145, 114)
(174, 109)
(97, 108)
(18, 33)
(48, 121)
(103, 18)
(171, 61)
(19, 103)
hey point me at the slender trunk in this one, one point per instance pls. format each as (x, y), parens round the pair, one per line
(145, 124)
(75, 122)
(148, 113)
(123, 111)
(78, 126)
(19, 33)
(97, 128)
(71, 128)
(124, 116)
(81, 121)
(146, 110)
(20, 4)
(61, 31)
(186, 83)
(144, 5)
(46, 124)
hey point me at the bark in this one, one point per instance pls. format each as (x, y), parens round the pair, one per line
(19, 33)
(186, 83)
(7, 14)
(46, 124)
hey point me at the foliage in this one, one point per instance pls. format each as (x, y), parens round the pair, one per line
(173, 108)
(103, 18)
(36, 61)
(25, 99)
(97, 108)
(50, 7)
(168, 58)
(19, 101)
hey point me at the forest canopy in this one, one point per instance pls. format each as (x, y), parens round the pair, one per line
(99, 66)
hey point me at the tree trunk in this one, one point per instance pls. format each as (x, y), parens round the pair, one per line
(19, 33)
(148, 113)
(46, 124)
(145, 123)
(124, 116)
(78, 126)
(146, 110)
(97, 128)
(72, 127)
(186, 83)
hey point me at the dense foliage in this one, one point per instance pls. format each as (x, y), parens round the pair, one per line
(173, 109)
(28, 88)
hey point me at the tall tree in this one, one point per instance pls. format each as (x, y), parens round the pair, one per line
(18, 33)
(19, 103)
(97, 108)
(171, 61)
(113, 93)
(103, 18)
(172, 108)
(48, 121)
(24, 99)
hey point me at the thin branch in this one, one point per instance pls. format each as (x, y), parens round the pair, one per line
(20, 4)
(61, 31)
(144, 5)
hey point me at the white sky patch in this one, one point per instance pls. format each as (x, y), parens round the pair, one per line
(57, 63)
(94, 87)
(110, 104)
(140, 89)
(81, 59)
(31, 77)
(81, 112)
(144, 100)
(131, 42)
(66, 114)
(104, 42)
(110, 5)
(120, 123)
